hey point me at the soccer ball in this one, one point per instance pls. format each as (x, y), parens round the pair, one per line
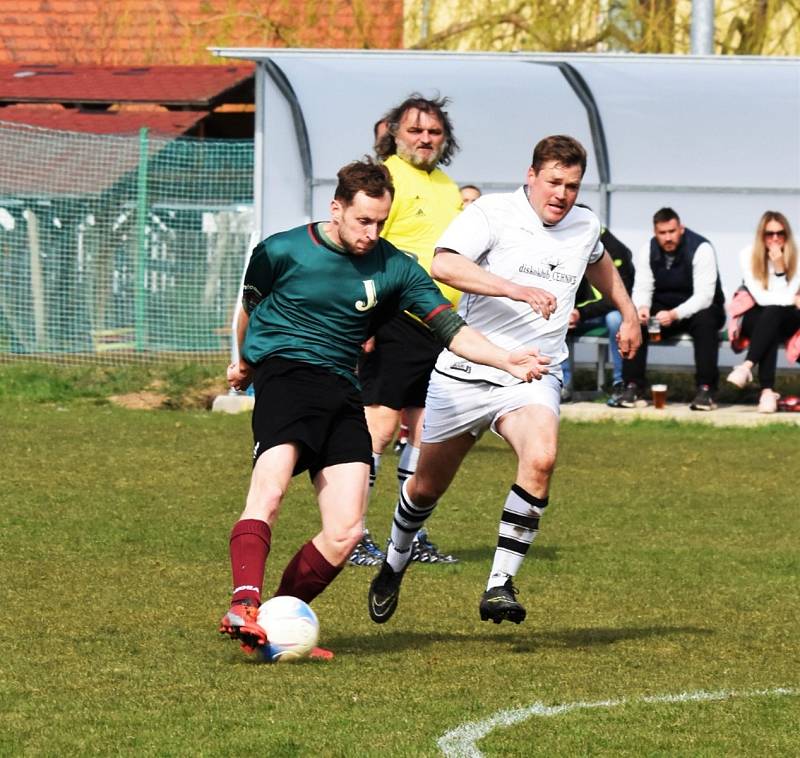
(292, 628)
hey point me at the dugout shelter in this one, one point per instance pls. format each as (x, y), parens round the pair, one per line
(716, 138)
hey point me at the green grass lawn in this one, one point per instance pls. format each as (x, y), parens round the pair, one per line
(667, 563)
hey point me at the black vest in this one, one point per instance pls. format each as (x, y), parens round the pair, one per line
(674, 285)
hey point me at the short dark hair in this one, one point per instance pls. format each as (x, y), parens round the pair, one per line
(662, 215)
(387, 144)
(470, 186)
(376, 127)
(367, 176)
(560, 148)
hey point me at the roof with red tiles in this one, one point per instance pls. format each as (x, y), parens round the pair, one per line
(167, 123)
(197, 86)
(147, 32)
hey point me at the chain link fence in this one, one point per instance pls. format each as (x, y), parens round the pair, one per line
(120, 248)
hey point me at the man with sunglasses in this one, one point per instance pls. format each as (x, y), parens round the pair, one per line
(677, 285)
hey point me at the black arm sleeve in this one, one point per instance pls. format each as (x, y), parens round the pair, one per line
(445, 325)
(257, 278)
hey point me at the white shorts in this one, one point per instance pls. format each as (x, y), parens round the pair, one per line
(454, 407)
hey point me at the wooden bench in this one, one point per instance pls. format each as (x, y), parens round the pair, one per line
(598, 336)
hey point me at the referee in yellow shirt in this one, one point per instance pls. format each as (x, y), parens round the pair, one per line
(417, 139)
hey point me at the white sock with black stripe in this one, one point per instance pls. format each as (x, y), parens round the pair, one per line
(519, 526)
(408, 518)
(373, 470)
(407, 464)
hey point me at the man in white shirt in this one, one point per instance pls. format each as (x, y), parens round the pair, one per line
(519, 258)
(677, 289)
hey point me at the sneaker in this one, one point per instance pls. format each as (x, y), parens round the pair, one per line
(241, 623)
(768, 402)
(631, 398)
(372, 549)
(703, 400)
(500, 604)
(359, 556)
(384, 593)
(424, 551)
(320, 654)
(366, 552)
(616, 395)
(741, 376)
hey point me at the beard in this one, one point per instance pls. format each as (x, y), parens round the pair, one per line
(418, 161)
(353, 244)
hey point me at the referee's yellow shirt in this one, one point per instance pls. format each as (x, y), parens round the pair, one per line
(424, 205)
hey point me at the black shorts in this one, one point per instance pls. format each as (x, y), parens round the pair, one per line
(320, 411)
(397, 372)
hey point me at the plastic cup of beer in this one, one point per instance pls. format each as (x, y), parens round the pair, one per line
(654, 330)
(659, 395)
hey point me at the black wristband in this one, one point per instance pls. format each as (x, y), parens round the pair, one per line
(782, 273)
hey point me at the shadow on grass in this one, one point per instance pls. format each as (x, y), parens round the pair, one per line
(578, 638)
(519, 641)
(485, 554)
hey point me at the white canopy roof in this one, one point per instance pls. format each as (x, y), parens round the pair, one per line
(717, 139)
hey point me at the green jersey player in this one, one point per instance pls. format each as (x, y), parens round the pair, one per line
(311, 296)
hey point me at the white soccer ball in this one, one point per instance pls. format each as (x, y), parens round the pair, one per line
(292, 628)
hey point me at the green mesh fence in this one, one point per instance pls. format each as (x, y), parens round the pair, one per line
(120, 248)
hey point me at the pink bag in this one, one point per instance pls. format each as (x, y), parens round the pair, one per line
(793, 347)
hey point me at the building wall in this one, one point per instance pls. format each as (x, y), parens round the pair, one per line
(148, 32)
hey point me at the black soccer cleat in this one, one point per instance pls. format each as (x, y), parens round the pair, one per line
(499, 604)
(384, 592)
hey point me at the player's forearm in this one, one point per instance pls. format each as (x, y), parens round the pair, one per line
(457, 271)
(604, 276)
(241, 328)
(472, 345)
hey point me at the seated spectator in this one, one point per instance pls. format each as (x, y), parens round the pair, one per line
(677, 288)
(771, 274)
(592, 310)
(469, 193)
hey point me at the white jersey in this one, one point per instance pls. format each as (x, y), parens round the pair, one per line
(503, 234)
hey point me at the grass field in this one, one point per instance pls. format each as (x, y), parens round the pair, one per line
(667, 566)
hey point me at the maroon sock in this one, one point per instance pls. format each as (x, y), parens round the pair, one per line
(249, 547)
(307, 574)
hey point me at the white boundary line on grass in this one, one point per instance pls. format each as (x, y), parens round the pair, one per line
(460, 742)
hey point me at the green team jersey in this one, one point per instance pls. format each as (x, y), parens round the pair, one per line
(311, 301)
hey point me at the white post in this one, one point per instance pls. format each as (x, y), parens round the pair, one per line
(37, 280)
(702, 27)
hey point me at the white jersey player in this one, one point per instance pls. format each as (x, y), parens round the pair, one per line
(520, 258)
(504, 236)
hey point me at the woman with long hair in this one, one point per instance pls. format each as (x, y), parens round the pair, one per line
(771, 273)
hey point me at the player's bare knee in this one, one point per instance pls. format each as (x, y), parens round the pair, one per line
(424, 490)
(540, 464)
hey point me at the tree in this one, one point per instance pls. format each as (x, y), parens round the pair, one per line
(743, 27)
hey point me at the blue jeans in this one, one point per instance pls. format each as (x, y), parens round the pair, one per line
(612, 321)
